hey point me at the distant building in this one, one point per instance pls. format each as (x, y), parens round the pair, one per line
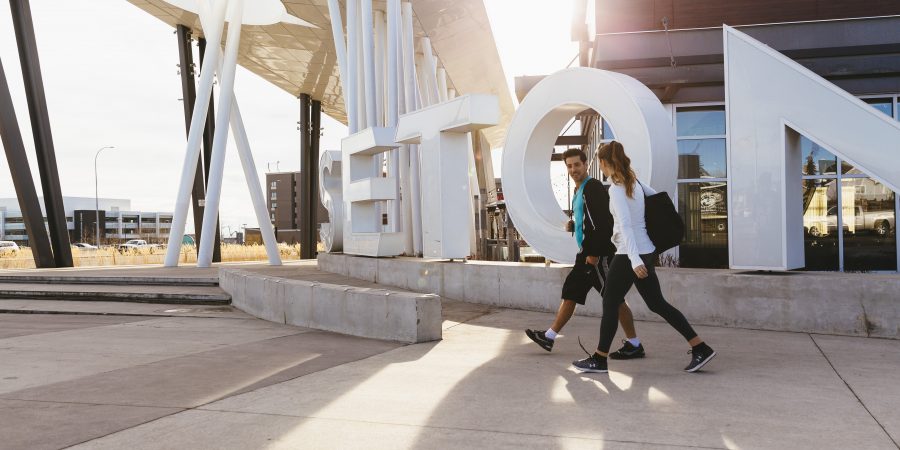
(118, 221)
(283, 200)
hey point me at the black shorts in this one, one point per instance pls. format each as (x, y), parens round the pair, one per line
(582, 278)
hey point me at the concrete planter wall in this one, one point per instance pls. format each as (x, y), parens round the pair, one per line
(827, 303)
(372, 313)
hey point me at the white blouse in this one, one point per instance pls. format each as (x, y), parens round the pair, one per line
(630, 229)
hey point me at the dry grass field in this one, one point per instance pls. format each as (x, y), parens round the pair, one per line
(109, 256)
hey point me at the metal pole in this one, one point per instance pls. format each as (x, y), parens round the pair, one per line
(97, 197)
(226, 102)
(192, 153)
(43, 137)
(11, 137)
(312, 187)
(306, 169)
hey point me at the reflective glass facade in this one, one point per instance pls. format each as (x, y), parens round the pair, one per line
(866, 239)
(702, 185)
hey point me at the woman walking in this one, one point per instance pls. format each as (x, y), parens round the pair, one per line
(633, 263)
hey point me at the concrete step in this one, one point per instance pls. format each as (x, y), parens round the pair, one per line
(173, 294)
(109, 280)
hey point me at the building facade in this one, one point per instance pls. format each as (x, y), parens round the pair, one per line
(283, 194)
(675, 48)
(119, 222)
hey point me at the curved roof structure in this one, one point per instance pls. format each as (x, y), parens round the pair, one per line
(301, 59)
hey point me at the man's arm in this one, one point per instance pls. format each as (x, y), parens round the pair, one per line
(597, 236)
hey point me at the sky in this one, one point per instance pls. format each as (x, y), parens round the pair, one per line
(111, 79)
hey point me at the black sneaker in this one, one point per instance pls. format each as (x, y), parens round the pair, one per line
(540, 338)
(593, 364)
(628, 351)
(699, 358)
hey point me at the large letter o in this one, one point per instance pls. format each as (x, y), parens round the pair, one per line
(641, 124)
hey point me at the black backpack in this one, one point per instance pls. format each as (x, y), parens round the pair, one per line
(664, 224)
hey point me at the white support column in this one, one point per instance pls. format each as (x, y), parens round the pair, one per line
(411, 94)
(368, 51)
(442, 84)
(379, 56)
(430, 71)
(340, 48)
(257, 197)
(250, 174)
(195, 134)
(394, 16)
(392, 108)
(332, 233)
(351, 84)
(422, 82)
(220, 140)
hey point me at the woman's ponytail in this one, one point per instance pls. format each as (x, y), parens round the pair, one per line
(614, 155)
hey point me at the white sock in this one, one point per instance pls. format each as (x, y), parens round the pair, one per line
(550, 334)
(635, 342)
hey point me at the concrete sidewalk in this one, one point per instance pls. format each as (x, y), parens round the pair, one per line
(189, 382)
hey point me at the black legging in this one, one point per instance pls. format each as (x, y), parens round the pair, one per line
(618, 282)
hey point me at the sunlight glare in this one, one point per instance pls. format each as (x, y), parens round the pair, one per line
(657, 396)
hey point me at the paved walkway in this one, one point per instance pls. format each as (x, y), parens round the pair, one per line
(236, 382)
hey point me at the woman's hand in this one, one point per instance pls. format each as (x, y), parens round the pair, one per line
(641, 271)
(592, 260)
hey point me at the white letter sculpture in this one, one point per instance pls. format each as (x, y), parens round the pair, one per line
(767, 93)
(442, 132)
(363, 188)
(642, 125)
(330, 191)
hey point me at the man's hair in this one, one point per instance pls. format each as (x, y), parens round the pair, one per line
(574, 152)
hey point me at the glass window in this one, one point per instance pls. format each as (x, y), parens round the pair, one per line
(885, 105)
(607, 131)
(274, 196)
(701, 121)
(819, 224)
(701, 158)
(816, 159)
(870, 239)
(704, 209)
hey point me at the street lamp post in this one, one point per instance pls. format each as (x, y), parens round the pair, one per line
(97, 197)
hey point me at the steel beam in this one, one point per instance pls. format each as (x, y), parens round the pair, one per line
(40, 125)
(209, 131)
(305, 205)
(311, 177)
(21, 176)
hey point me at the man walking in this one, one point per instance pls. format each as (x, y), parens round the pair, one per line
(592, 226)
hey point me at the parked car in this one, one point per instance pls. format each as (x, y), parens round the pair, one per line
(84, 246)
(8, 247)
(138, 244)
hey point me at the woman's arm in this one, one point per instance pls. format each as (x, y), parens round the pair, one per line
(622, 216)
